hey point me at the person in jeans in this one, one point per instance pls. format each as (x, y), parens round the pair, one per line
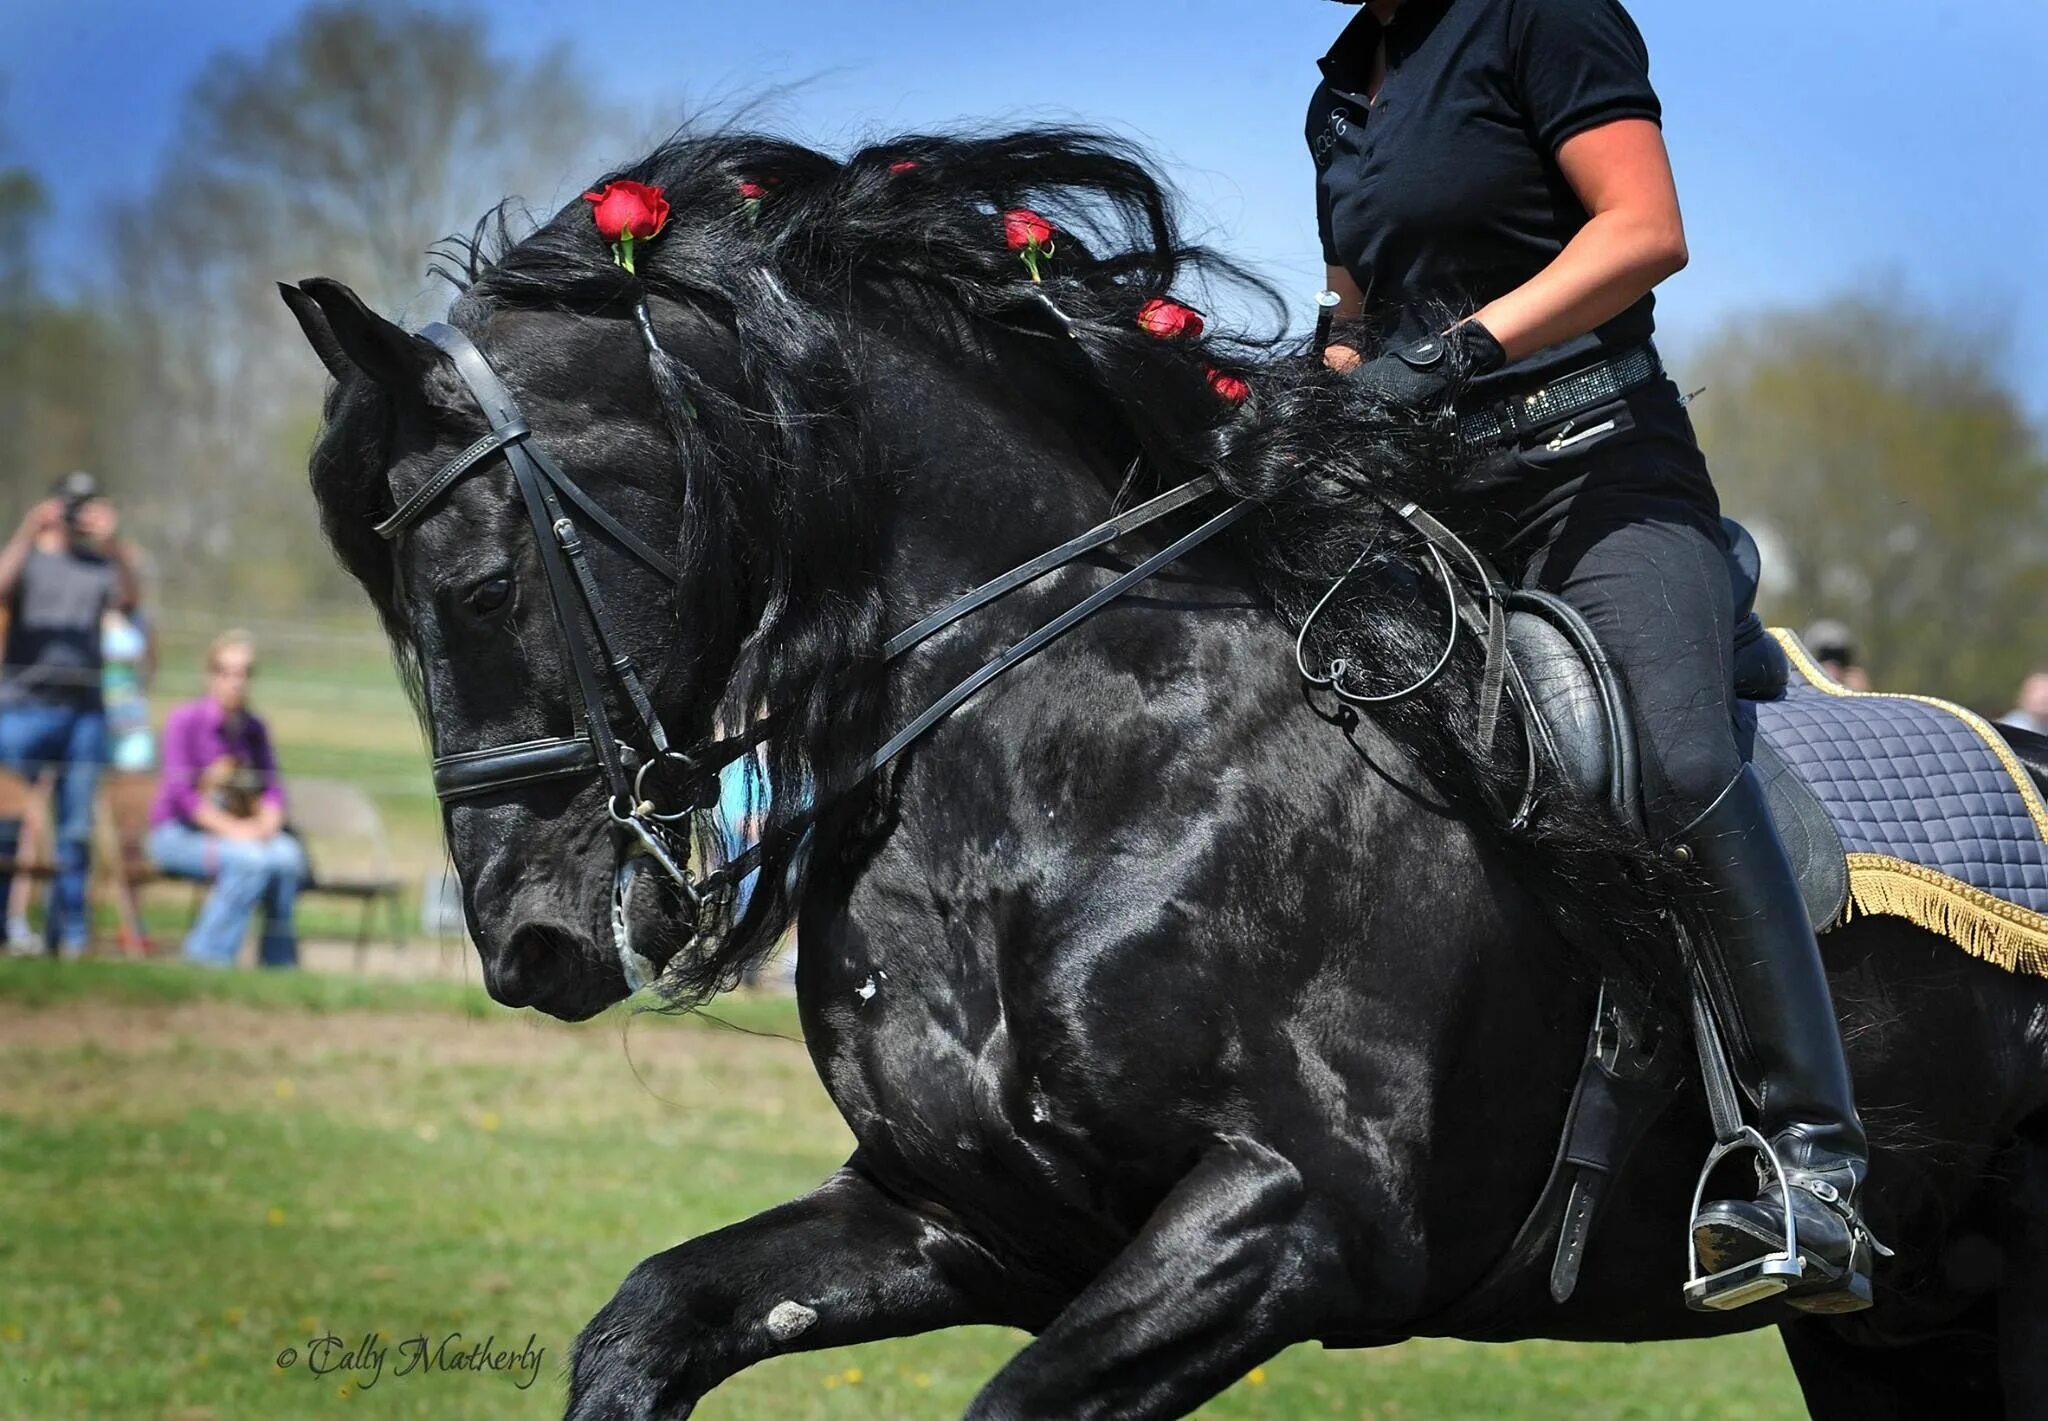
(60, 573)
(219, 815)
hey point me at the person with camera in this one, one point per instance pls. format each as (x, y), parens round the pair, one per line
(60, 573)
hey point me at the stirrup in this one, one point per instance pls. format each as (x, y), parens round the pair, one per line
(1760, 1278)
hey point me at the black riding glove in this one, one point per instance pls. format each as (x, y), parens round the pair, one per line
(1420, 376)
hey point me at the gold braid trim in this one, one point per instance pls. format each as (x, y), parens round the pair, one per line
(1999, 932)
(1993, 741)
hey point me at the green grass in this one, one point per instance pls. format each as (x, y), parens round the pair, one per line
(200, 1169)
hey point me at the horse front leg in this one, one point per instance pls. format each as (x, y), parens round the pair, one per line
(846, 1263)
(1230, 1269)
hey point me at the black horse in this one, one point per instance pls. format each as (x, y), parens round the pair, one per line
(1174, 1024)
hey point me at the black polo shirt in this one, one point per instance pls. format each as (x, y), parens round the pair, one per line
(1444, 193)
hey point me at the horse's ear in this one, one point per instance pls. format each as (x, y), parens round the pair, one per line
(349, 337)
(313, 321)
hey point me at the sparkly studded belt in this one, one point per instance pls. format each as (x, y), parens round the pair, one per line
(1562, 397)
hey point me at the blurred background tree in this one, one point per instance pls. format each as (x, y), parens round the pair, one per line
(1897, 483)
(1878, 449)
(361, 136)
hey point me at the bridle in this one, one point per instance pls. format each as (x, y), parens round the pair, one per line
(549, 494)
(553, 502)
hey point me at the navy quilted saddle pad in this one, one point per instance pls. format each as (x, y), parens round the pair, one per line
(1941, 824)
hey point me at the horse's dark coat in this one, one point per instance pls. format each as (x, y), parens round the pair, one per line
(1172, 1024)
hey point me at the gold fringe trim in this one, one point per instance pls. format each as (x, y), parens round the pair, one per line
(1993, 741)
(1989, 928)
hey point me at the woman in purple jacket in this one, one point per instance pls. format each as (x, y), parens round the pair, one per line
(219, 815)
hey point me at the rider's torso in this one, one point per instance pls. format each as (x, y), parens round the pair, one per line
(1443, 192)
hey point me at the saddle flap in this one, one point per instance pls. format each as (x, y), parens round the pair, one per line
(1571, 721)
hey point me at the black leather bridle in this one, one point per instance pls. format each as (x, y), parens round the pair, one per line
(553, 503)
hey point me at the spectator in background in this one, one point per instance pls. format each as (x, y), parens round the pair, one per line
(1835, 650)
(128, 658)
(60, 573)
(219, 815)
(129, 652)
(2032, 711)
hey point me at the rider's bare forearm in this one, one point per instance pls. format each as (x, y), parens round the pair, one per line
(1613, 262)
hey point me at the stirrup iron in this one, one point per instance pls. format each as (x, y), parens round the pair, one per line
(1760, 1278)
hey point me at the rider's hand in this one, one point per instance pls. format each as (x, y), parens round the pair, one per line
(1420, 376)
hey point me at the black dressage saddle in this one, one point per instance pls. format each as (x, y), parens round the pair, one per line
(1582, 723)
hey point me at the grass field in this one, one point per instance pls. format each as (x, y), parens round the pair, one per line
(200, 1170)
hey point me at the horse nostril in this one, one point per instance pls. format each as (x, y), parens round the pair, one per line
(528, 965)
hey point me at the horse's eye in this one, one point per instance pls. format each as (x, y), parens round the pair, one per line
(490, 596)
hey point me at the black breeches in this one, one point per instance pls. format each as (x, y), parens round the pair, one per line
(1629, 533)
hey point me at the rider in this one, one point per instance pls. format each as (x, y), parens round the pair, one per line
(1495, 205)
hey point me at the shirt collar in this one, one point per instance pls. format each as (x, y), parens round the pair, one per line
(1349, 61)
(1350, 58)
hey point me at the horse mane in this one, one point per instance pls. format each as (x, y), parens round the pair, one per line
(782, 457)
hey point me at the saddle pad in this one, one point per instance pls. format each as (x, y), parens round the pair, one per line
(1940, 822)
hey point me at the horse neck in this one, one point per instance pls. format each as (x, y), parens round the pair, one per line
(992, 465)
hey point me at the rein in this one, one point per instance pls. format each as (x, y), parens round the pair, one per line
(552, 499)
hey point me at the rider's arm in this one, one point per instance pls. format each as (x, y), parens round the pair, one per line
(1633, 239)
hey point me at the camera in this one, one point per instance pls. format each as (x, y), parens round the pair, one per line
(76, 489)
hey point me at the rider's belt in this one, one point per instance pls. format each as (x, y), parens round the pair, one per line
(1562, 397)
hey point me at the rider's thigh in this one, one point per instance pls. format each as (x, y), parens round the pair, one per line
(1640, 554)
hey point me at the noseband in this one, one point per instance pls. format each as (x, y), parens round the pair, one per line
(553, 502)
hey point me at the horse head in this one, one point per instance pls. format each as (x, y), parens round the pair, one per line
(486, 645)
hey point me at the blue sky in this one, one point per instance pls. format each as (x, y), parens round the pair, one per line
(1818, 143)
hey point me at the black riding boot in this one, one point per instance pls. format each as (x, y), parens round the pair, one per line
(1771, 996)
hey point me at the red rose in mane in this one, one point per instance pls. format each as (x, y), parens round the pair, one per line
(1230, 387)
(628, 207)
(1029, 236)
(627, 212)
(1169, 319)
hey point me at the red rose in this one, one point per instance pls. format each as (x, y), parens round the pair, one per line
(1024, 229)
(1231, 388)
(903, 165)
(1030, 237)
(626, 209)
(1169, 319)
(752, 191)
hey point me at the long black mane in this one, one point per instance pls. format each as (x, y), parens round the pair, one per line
(780, 509)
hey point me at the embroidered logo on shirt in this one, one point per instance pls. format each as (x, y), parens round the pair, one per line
(1340, 121)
